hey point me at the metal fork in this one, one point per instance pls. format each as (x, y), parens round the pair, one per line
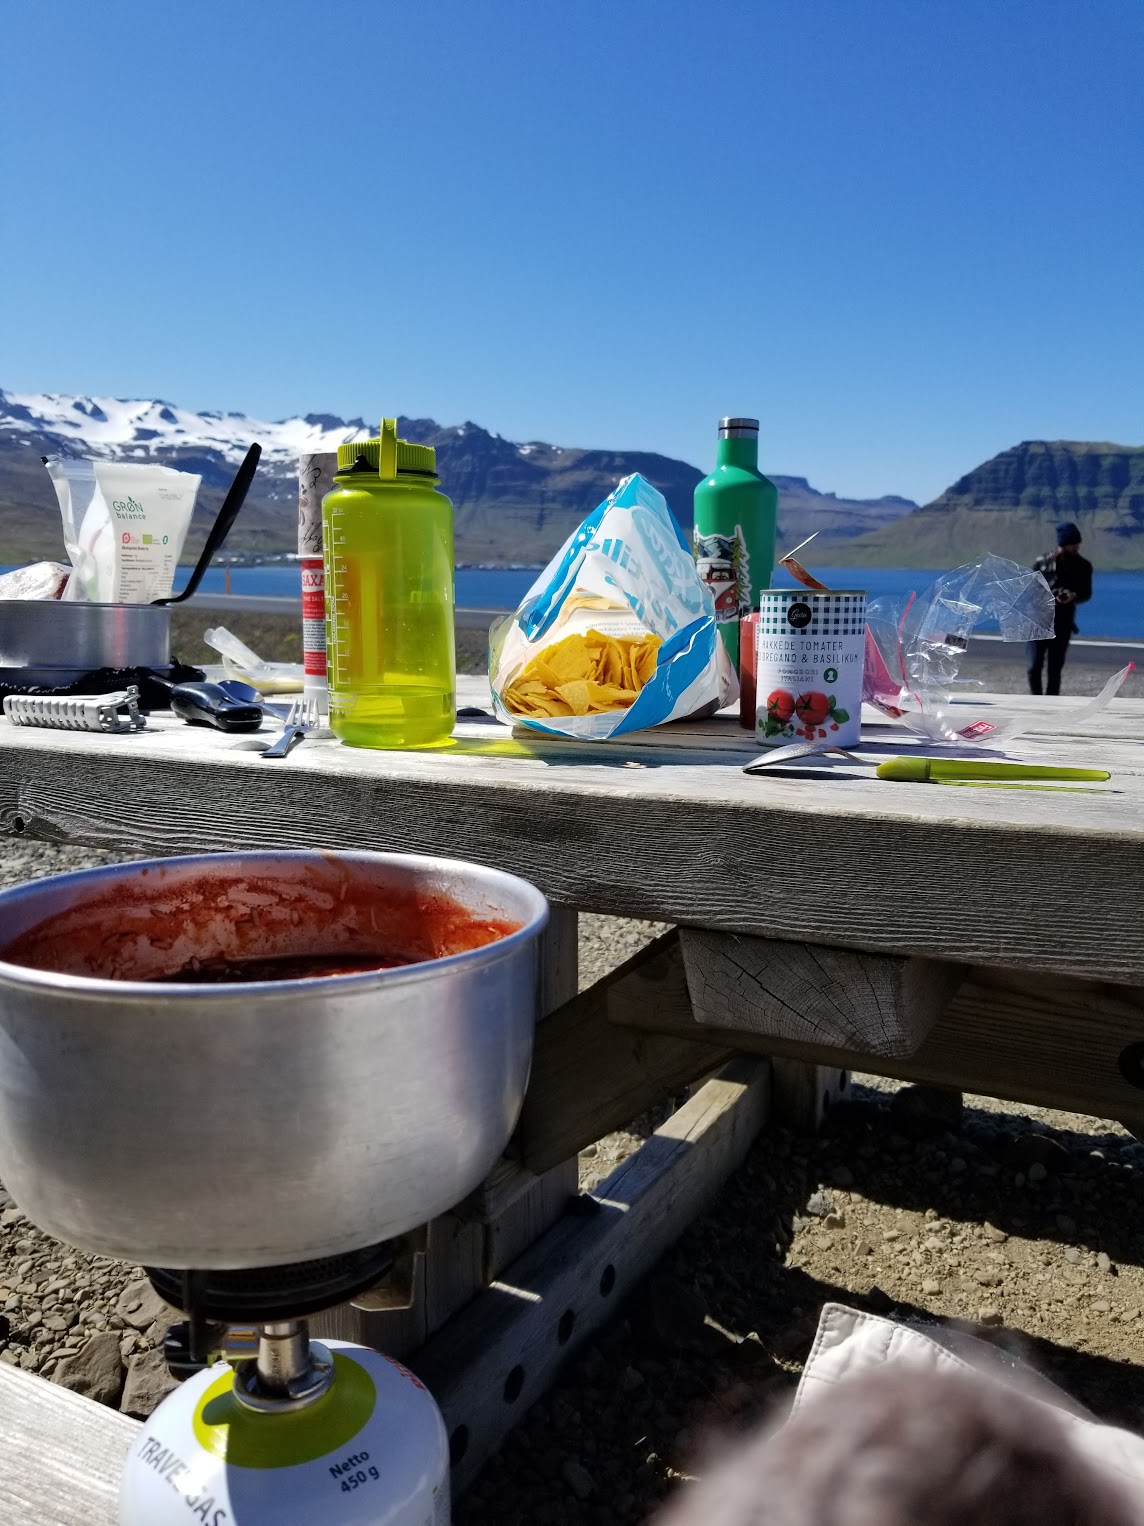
(303, 717)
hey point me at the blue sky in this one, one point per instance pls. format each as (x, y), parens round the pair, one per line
(905, 233)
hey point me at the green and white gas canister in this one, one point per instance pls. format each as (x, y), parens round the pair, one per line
(809, 653)
(371, 1452)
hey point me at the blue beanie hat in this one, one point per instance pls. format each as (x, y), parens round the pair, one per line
(1068, 534)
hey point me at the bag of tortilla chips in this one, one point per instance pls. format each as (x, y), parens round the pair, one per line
(617, 633)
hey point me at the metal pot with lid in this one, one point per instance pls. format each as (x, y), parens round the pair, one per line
(53, 643)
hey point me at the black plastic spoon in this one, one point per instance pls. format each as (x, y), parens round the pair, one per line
(234, 500)
(207, 704)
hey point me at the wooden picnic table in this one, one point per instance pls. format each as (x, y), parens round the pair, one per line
(663, 824)
(990, 940)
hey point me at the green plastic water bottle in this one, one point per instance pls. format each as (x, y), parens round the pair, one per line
(735, 512)
(388, 545)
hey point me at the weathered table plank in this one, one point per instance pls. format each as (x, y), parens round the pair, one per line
(590, 1077)
(60, 1454)
(653, 828)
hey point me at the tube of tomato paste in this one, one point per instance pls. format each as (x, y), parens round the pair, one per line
(315, 479)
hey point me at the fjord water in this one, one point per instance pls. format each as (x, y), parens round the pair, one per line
(1115, 613)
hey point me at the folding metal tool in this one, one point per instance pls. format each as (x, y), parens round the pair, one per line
(77, 712)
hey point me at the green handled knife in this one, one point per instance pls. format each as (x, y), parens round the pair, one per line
(969, 771)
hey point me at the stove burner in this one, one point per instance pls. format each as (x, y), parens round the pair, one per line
(265, 1293)
(153, 683)
(258, 1295)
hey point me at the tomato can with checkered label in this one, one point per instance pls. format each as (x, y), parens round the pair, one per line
(809, 651)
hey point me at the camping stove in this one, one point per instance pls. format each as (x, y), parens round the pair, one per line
(300, 1432)
(264, 1137)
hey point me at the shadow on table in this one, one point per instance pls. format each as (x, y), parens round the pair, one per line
(559, 754)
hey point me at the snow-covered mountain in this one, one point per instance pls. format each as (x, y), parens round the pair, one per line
(127, 429)
(514, 503)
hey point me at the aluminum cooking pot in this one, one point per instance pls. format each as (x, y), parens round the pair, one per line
(57, 643)
(244, 1125)
(51, 643)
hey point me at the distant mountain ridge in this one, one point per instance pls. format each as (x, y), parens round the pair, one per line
(514, 503)
(1012, 503)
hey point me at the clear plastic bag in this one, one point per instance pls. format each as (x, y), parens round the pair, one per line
(914, 647)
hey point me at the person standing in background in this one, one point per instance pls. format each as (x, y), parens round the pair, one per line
(1069, 576)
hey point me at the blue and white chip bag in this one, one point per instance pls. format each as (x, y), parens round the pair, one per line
(626, 572)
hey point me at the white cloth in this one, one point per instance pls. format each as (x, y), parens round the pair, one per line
(849, 1342)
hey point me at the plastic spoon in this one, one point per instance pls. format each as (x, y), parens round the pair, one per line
(235, 498)
(207, 704)
(247, 694)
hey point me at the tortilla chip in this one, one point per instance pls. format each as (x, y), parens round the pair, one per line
(576, 694)
(644, 660)
(603, 697)
(583, 675)
(538, 706)
(578, 600)
(611, 665)
(569, 659)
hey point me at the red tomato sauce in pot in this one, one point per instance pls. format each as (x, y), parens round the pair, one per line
(217, 926)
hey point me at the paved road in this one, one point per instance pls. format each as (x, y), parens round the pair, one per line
(989, 648)
(466, 619)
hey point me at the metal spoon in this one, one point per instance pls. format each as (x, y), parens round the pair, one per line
(797, 750)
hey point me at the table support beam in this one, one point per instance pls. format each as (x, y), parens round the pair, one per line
(496, 1358)
(590, 1076)
(876, 1003)
(1044, 1039)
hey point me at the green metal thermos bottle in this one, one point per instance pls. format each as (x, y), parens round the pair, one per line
(388, 544)
(735, 511)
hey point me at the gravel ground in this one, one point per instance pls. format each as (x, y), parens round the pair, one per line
(1020, 1222)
